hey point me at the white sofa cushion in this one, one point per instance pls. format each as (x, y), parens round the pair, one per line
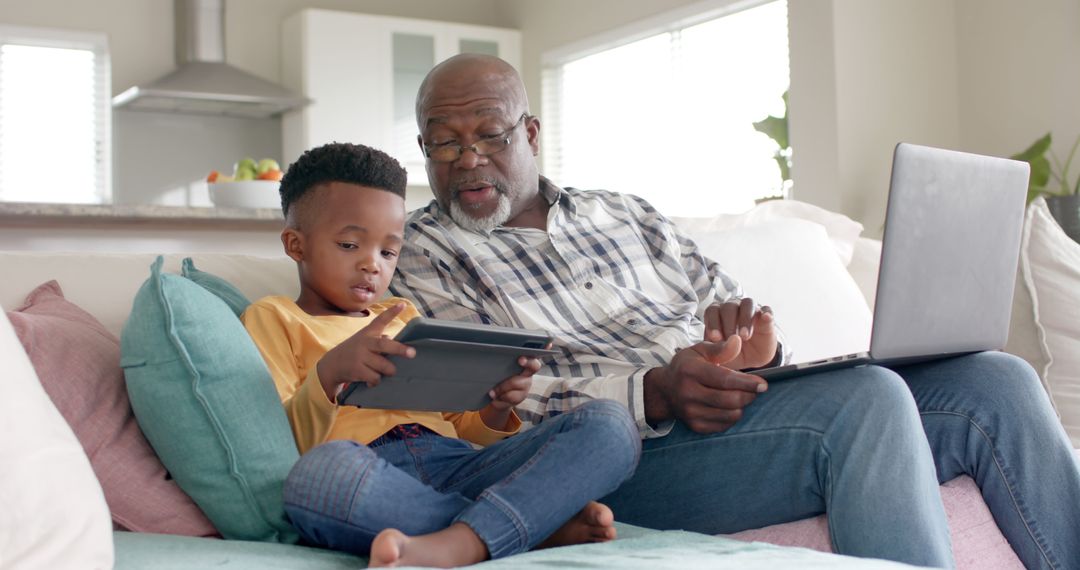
(1045, 327)
(865, 262)
(793, 265)
(842, 231)
(52, 509)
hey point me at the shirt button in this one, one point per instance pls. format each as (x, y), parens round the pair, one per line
(632, 322)
(588, 284)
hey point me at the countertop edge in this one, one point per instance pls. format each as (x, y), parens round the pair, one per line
(36, 214)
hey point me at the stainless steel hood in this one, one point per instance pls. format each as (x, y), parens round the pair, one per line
(202, 82)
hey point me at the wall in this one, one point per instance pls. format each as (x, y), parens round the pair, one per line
(159, 158)
(895, 81)
(1019, 71)
(985, 76)
(162, 158)
(141, 31)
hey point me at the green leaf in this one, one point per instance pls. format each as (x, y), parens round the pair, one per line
(1035, 156)
(775, 128)
(782, 162)
(1034, 193)
(1036, 150)
(1040, 172)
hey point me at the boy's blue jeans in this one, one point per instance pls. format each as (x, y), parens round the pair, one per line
(513, 494)
(869, 446)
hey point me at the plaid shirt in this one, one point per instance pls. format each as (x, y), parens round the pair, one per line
(619, 287)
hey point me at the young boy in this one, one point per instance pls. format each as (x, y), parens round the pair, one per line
(405, 486)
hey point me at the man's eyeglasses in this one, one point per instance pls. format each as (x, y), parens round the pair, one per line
(449, 152)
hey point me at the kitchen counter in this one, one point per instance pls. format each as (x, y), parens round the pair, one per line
(14, 214)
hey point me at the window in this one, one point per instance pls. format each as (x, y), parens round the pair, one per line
(669, 115)
(55, 116)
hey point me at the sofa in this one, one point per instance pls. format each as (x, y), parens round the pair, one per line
(99, 475)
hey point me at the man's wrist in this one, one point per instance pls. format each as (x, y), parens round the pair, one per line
(653, 397)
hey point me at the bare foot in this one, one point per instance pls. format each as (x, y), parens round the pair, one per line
(594, 523)
(456, 545)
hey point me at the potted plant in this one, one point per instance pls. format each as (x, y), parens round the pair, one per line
(1050, 179)
(776, 128)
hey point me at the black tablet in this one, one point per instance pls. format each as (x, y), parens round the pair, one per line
(455, 366)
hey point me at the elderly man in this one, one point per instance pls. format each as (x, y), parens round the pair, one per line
(642, 317)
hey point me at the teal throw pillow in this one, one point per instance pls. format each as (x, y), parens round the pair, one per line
(205, 400)
(224, 290)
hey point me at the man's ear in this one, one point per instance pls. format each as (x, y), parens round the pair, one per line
(293, 241)
(532, 127)
(420, 143)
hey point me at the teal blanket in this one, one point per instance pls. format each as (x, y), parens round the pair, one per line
(636, 548)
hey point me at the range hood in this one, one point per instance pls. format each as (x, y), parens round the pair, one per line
(202, 82)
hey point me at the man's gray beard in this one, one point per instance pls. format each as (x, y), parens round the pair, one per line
(500, 216)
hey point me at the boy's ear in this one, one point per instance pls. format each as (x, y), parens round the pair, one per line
(293, 241)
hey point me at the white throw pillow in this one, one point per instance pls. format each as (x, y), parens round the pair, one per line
(1050, 277)
(52, 509)
(843, 231)
(864, 266)
(792, 265)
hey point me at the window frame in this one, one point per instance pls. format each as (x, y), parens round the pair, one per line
(97, 43)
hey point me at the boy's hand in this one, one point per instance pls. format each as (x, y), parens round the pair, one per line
(362, 357)
(509, 393)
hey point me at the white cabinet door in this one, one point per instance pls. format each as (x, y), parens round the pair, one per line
(362, 73)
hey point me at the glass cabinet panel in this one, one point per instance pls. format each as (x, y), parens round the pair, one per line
(486, 47)
(413, 56)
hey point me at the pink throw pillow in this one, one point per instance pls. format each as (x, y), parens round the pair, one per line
(78, 363)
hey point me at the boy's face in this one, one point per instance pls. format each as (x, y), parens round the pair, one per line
(347, 247)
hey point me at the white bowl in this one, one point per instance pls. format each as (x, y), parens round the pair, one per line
(246, 194)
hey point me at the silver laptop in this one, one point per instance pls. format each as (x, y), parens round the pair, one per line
(948, 260)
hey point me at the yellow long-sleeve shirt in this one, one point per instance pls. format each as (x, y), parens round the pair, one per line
(292, 342)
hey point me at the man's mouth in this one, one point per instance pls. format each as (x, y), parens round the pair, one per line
(473, 193)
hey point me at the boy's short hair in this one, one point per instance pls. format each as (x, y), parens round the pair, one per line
(341, 162)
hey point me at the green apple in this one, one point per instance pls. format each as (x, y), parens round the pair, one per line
(266, 165)
(245, 169)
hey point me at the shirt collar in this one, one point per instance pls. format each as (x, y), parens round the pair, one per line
(556, 196)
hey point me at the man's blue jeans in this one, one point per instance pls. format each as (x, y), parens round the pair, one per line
(513, 494)
(857, 445)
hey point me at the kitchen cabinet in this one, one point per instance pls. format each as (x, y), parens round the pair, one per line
(362, 73)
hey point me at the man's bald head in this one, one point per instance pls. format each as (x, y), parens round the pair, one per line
(470, 99)
(469, 76)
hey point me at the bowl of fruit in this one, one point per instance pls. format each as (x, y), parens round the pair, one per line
(253, 184)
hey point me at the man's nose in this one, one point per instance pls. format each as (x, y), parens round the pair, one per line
(469, 159)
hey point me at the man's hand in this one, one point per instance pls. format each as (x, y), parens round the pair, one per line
(362, 357)
(509, 393)
(698, 388)
(754, 327)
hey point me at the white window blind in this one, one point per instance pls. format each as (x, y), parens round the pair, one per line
(669, 117)
(55, 116)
